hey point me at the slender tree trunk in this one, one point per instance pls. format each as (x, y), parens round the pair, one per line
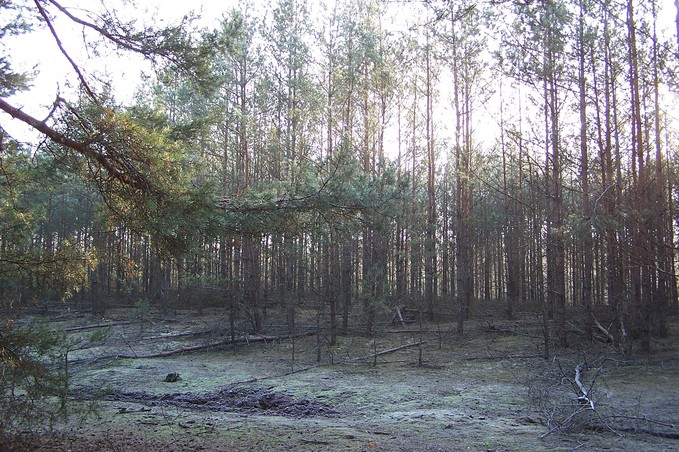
(661, 244)
(512, 230)
(586, 230)
(430, 240)
(462, 241)
(555, 252)
(369, 276)
(641, 269)
(346, 283)
(612, 180)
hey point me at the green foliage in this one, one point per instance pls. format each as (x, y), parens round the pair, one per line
(35, 377)
(157, 195)
(100, 335)
(142, 309)
(38, 203)
(332, 193)
(15, 21)
(33, 387)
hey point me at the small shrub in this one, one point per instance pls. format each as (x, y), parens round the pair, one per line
(142, 311)
(33, 383)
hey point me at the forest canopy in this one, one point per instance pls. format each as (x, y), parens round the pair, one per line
(513, 154)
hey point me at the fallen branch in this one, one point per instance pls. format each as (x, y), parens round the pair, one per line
(603, 330)
(315, 442)
(584, 398)
(500, 357)
(126, 410)
(99, 325)
(417, 331)
(391, 350)
(256, 379)
(660, 434)
(645, 418)
(179, 335)
(565, 423)
(400, 317)
(248, 339)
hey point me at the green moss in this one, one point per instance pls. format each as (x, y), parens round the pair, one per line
(470, 393)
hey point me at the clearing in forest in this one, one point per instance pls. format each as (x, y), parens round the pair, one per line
(179, 383)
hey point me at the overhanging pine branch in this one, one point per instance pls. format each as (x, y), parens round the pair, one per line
(84, 149)
(148, 45)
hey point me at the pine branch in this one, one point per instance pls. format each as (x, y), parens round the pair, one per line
(108, 162)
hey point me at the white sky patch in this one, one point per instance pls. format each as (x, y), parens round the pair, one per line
(37, 52)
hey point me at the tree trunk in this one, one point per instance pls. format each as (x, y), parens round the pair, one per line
(585, 228)
(430, 240)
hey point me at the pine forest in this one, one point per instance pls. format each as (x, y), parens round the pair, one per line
(344, 169)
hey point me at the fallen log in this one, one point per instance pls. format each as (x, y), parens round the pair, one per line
(499, 357)
(100, 325)
(179, 335)
(248, 339)
(265, 377)
(417, 331)
(391, 350)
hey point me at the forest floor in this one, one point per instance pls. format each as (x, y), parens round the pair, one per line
(400, 390)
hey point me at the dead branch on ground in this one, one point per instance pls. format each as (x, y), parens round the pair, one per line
(583, 398)
(247, 339)
(391, 350)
